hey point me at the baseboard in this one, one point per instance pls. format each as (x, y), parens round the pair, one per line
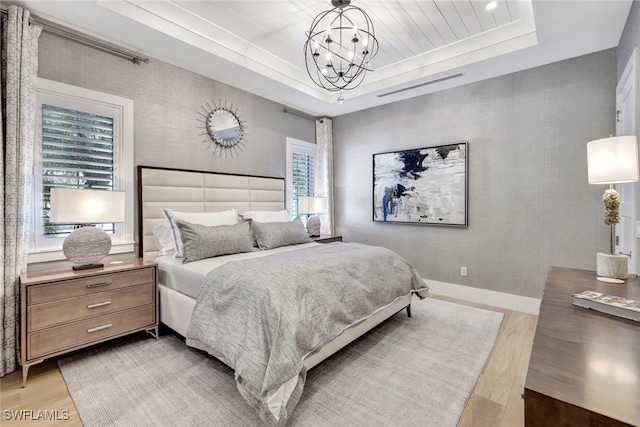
(484, 296)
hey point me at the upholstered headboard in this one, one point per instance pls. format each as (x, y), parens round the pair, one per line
(198, 191)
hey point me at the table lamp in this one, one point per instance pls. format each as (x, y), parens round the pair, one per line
(313, 206)
(87, 245)
(609, 161)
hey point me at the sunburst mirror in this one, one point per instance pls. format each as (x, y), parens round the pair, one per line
(226, 133)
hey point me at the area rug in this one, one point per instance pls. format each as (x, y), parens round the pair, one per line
(416, 371)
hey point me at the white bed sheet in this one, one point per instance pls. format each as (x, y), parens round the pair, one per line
(188, 278)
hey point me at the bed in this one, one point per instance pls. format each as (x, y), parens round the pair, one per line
(180, 284)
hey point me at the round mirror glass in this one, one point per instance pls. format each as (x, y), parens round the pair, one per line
(224, 127)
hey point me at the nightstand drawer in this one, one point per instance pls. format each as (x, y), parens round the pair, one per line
(87, 285)
(95, 329)
(57, 312)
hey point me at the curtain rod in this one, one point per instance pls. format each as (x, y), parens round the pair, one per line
(61, 32)
(299, 113)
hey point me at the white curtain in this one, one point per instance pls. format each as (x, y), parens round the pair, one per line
(19, 46)
(324, 170)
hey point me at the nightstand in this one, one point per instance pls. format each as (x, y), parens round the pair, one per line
(65, 310)
(326, 238)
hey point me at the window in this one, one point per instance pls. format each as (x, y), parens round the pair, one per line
(77, 152)
(300, 173)
(303, 178)
(84, 139)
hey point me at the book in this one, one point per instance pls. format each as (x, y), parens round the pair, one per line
(610, 304)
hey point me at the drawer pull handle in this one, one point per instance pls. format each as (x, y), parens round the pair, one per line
(99, 328)
(96, 284)
(99, 304)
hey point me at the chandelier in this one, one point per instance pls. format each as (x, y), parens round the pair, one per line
(339, 47)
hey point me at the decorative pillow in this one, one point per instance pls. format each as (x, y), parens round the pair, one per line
(163, 238)
(266, 216)
(275, 234)
(228, 217)
(201, 241)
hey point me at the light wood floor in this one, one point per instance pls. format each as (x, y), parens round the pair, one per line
(495, 402)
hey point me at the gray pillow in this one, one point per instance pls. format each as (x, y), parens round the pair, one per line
(202, 241)
(275, 234)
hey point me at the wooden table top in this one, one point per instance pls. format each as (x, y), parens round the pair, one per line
(583, 357)
(65, 273)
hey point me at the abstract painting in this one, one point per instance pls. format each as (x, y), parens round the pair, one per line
(422, 185)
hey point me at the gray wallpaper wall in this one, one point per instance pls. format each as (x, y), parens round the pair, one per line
(530, 205)
(166, 102)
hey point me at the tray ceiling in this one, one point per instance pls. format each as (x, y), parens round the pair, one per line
(425, 45)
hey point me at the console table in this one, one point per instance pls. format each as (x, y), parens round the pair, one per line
(585, 365)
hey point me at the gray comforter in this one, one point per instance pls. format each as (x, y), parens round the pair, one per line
(262, 316)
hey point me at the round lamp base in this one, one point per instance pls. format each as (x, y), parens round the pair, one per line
(612, 266)
(86, 247)
(313, 226)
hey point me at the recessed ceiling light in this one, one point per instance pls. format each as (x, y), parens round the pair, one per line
(491, 5)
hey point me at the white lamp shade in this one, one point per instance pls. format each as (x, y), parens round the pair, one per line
(313, 205)
(613, 160)
(82, 206)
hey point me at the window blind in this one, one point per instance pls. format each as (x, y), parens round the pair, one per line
(303, 178)
(77, 152)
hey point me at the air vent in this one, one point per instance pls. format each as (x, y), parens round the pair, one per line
(453, 76)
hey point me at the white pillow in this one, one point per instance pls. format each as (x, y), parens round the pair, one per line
(266, 216)
(164, 239)
(228, 217)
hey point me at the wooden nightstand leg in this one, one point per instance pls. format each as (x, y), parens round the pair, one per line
(25, 371)
(154, 332)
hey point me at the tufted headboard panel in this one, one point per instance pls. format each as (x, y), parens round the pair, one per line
(198, 191)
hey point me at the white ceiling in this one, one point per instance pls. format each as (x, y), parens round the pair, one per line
(257, 45)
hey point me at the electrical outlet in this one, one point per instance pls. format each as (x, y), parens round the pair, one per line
(463, 271)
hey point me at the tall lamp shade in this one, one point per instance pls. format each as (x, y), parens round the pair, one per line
(610, 161)
(613, 160)
(86, 246)
(313, 206)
